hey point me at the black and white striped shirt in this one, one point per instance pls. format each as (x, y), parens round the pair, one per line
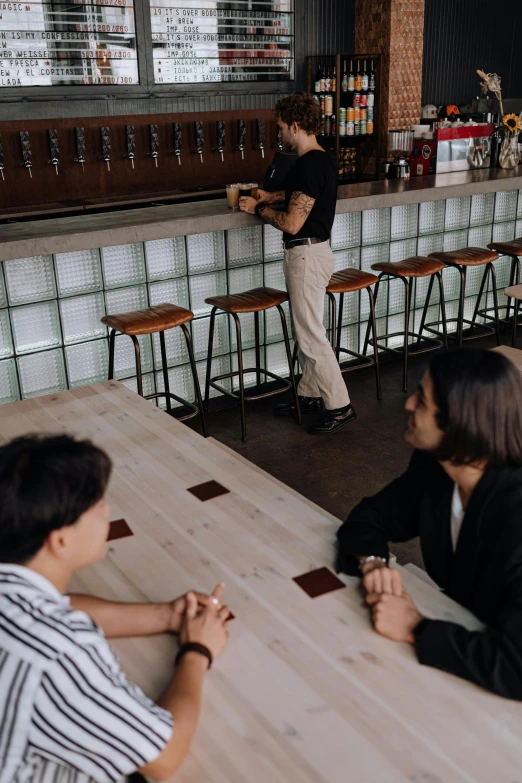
(67, 712)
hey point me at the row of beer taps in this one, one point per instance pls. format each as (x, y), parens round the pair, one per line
(154, 144)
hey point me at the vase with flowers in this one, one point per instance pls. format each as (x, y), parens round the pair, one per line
(508, 130)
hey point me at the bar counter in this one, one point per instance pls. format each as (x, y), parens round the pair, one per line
(60, 275)
(67, 234)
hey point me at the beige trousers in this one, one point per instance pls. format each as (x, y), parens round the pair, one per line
(307, 270)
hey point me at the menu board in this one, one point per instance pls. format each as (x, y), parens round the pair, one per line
(216, 41)
(48, 43)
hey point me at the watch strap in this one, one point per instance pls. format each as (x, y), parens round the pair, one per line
(260, 207)
(194, 647)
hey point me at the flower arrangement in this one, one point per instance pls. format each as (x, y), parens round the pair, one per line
(511, 125)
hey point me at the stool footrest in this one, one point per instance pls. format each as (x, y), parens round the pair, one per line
(433, 343)
(366, 361)
(486, 330)
(484, 313)
(249, 397)
(186, 403)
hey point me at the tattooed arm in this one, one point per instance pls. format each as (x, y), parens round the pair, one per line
(292, 220)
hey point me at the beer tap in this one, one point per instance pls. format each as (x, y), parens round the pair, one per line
(2, 159)
(260, 133)
(80, 146)
(176, 128)
(130, 140)
(53, 149)
(241, 137)
(154, 143)
(27, 155)
(200, 140)
(106, 145)
(220, 138)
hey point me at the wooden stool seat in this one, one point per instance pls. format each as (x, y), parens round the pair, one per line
(416, 266)
(149, 320)
(466, 256)
(513, 248)
(347, 280)
(253, 301)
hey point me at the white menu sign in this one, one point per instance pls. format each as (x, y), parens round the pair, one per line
(216, 41)
(50, 43)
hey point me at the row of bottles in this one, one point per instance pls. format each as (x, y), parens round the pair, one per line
(351, 81)
(131, 152)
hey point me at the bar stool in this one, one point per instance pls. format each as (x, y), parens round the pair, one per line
(415, 267)
(514, 250)
(461, 259)
(149, 321)
(343, 282)
(254, 301)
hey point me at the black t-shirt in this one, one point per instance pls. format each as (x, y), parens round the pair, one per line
(315, 175)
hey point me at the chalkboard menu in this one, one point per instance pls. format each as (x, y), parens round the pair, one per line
(67, 43)
(215, 41)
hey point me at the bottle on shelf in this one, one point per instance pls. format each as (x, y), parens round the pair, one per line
(322, 80)
(327, 80)
(351, 78)
(317, 86)
(333, 80)
(371, 84)
(344, 82)
(328, 105)
(364, 78)
(358, 78)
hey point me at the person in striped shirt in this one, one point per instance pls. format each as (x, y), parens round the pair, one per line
(68, 714)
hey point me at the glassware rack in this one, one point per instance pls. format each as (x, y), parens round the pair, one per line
(356, 153)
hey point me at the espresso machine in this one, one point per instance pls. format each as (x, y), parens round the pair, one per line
(400, 144)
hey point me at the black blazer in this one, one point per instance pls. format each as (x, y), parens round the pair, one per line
(484, 574)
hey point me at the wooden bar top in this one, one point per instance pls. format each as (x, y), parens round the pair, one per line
(63, 234)
(306, 691)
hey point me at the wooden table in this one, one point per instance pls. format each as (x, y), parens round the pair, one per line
(306, 691)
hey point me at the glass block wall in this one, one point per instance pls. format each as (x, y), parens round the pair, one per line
(51, 337)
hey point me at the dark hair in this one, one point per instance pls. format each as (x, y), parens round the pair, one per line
(303, 109)
(479, 398)
(46, 482)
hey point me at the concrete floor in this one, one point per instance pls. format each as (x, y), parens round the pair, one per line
(334, 471)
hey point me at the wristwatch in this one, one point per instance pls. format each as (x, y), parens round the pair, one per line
(259, 208)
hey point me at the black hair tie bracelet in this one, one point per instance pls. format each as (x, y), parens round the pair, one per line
(194, 647)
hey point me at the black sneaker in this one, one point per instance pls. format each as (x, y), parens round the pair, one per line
(307, 405)
(333, 420)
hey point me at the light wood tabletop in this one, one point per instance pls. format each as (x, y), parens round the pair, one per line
(306, 691)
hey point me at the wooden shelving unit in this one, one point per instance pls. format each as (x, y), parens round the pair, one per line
(365, 147)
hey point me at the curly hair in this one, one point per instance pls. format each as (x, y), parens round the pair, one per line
(303, 109)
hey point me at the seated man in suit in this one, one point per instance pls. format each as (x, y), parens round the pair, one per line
(462, 494)
(67, 711)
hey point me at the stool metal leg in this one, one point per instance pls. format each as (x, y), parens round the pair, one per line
(426, 305)
(209, 356)
(493, 274)
(479, 297)
(195, 378)
(290, 363)
(258, 348)
(339, 325)
(374, 334)
(138, 364)
(442, 303)
(241, 378)
(112, 338)
(332, 318)
(367, 336)
(407, 285)
(516, 305)
(165, 370)
(460, 315)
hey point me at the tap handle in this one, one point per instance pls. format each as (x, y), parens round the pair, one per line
(176, 127)
(106, 142)
(53, 145)
(130, 140)
(1, 154)
(220, 133)
(260, 131)
(154, 140)
(80, 142)
(25, 143)
(200, 139)
(241, 133)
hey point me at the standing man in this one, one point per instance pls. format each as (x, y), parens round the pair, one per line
(306, 221)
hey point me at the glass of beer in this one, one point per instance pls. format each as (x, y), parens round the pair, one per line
(254, 187)
(245, 189)
(233, 196)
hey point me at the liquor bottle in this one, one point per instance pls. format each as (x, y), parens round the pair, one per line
(344, 83)
(351, 78)
(371, 85)
(358, 78)
(333, 80)
(327, 80)
(317, 89)
(322, 84)
(364, 79)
